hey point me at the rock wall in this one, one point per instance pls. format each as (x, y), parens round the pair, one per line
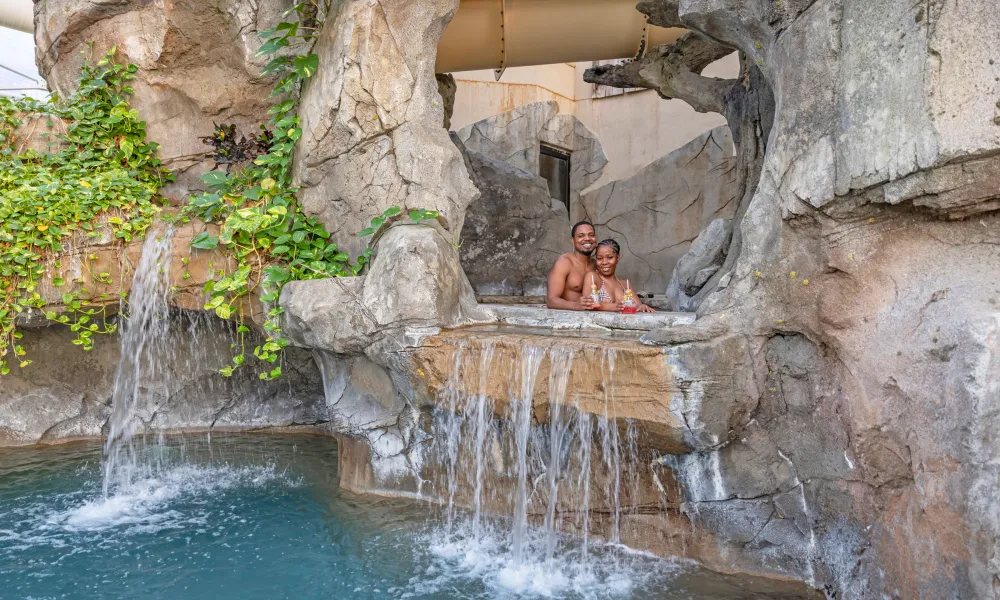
(372, 119)
(99, 271)
(514, 232)
(514, 137)
(868, 253)
(196, 60)
(66, 392)
(658, 212)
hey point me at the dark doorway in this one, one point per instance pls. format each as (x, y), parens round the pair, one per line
(553, 165)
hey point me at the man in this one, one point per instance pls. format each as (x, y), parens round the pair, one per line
(572, 271)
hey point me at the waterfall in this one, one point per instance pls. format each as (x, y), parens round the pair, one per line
(542, 472)
(452, 434)
(607, 425)
(530, 359)
(144, 338)
(561, 360)
(585, 435)
(483, 412)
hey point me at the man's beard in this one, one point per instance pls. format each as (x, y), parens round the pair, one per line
(587, 253)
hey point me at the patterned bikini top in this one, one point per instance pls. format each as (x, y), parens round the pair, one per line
(603, 292)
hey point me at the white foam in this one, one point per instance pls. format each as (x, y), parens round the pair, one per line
(147, 502)
(607, 571)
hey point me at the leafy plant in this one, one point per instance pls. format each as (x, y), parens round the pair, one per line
(105, 176)
(229, 150)
(260, 223)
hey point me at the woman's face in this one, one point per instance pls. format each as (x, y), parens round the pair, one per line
(606, 261)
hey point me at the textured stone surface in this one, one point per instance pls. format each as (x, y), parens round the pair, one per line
(514, 137)
(657, 213)
(447, 88)
(415, 281)
(883, 129)
(372, 119)
(196, 65)
(703, 258)
(514, 232)
(564, 320)
(105, 270)
(36, 133)
(66, 392)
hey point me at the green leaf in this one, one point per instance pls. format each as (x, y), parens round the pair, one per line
(277, 274)
(214, 179)
(205, 241)
(272, 45)
(306, 65)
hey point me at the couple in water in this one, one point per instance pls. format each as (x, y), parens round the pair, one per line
(574, 272)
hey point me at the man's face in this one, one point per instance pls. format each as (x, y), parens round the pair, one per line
(585, 239)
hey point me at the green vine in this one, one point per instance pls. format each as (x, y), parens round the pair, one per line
(254, 205)
(260, 223)
(105, 175)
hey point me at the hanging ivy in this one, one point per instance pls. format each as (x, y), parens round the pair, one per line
(104, 175)
(260, 223)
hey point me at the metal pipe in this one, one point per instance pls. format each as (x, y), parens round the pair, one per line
(495, 34)
(18, 14)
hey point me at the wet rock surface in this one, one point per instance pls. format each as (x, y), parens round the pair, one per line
(66, 392)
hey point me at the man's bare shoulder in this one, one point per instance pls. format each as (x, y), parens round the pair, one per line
(564, 262)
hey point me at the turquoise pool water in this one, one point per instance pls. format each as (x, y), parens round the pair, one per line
(261, 516)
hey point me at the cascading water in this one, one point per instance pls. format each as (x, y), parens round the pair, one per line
(521, 417)
(541, 473)
(558, 379)
(143, 335)
(482, 412)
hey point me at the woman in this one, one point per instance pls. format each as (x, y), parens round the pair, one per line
(611, 289)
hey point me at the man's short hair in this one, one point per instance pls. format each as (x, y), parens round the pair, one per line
(572, 232)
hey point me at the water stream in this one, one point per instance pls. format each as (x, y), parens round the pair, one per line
(143, 335)
(540, 472)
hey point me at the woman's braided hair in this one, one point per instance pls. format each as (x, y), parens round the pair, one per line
(611, 243)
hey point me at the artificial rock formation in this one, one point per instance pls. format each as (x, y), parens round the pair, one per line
(513, 232)
(372, 119)
(858, 288)
(860, 260)
(702, 260)
(657, 213)
(66, 393)
(514, 137)
(197, 66)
